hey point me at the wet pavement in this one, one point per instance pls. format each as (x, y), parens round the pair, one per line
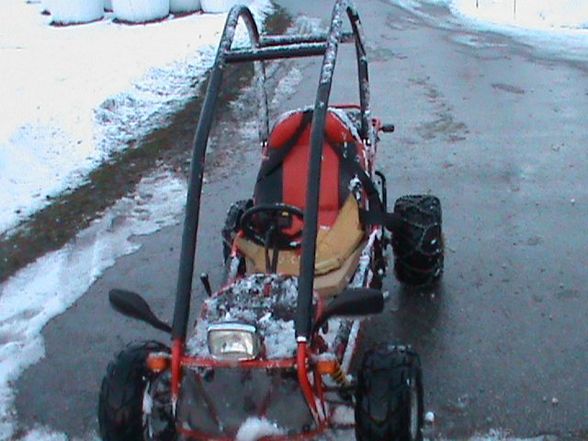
(499, 133)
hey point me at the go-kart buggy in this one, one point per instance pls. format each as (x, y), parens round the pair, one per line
(271, 353)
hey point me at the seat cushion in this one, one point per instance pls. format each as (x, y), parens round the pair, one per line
(284, 171)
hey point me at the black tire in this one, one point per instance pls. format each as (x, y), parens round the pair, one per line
(232, 223)
(418, 243)
(389, 396)
(120, 406)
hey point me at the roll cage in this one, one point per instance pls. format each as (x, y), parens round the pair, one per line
(269, 48)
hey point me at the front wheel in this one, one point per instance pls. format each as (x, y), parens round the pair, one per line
(389, 396)
(135, 403)
(418, 243)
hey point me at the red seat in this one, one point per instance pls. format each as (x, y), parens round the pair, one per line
(286, 178)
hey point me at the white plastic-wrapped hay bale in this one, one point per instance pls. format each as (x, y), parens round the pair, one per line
(74, 11)
(217, 6)
(140, 11)
(108, 5)
(176, 6)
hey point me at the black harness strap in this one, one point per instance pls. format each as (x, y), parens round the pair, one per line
(376, 215)
(278, 156)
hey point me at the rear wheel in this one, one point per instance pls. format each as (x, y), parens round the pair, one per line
(389, 396)
(135, 403)
(418, 243)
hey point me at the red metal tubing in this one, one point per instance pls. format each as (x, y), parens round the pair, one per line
(176, 371)
(301, 357)
(205, 362)
(200, 436)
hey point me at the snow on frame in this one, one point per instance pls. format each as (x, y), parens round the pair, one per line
(77, 94)
(255, 428)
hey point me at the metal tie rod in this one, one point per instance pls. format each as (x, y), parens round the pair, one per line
(275, 52)
(280, 40)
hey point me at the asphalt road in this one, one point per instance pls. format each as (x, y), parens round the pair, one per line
(495, 129)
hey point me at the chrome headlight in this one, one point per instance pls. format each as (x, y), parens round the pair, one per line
(233, 341)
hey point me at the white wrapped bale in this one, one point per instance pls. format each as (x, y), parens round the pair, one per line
(140, 11)
(218, 6)
(108, 5)
(75, 11)
(176, 6)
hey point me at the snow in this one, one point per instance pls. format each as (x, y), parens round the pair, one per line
(343, 415)
(79, 93)
(43, 434)
(554, 27)
(287, 86)
(255, 428)
(538, 14)
(246, 301)
(49, 286)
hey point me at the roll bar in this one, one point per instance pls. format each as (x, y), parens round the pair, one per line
(303, 323)
(269, 48)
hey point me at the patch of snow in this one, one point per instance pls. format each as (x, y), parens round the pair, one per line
(266, 301)
(343, 415)
(330, 58)
(503, 435)
(308, 25)
(77, 94)
(140, 11)
(287, 86)
(343, 115)
(556, 27)
(280, 340)
(44, 434)
(184, 5)
(75, 11)
(255, 428)
(536, 14)
(46, 288)
(352, 342)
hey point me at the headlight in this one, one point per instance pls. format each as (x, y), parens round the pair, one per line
(233, 341)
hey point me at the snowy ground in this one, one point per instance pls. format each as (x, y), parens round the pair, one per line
(48, 287)
(556, 27)
(75, 94)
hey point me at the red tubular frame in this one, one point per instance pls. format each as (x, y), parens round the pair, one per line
(176, 369)
(179, 360)
(302, 370)
(285, 47)
(195, 434)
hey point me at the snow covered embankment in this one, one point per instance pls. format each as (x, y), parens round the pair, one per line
(48, 287)
(77, 94)
(556, 27)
